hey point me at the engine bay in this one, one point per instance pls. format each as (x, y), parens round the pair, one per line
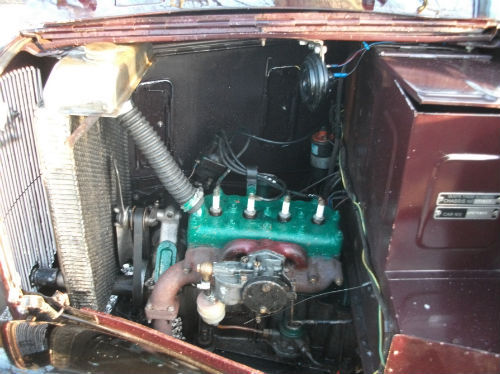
(244, 196)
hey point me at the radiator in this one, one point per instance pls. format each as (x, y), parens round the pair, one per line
(24, 212)
(81, 184)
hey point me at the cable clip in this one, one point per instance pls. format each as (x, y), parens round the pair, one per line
(252, 175)
(366, 46)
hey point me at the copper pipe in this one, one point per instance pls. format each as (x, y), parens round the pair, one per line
(241, 328)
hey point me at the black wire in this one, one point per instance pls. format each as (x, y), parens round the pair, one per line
(276, 142)
(341, 202)
(227, 162)
(319, 181)
(244, 149)
(303, 195)
(232, 162)
(273, 181)
(231, 152)
(222, 177)
(357, 63)
(366, 284)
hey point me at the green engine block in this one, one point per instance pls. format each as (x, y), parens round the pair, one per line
(317, 239)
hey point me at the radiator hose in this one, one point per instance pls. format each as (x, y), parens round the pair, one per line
(170, 174)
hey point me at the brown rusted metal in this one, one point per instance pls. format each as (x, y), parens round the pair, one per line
(242, 247)
(309, 275)
(317, 276)
(412, 355)
(85, 124)
(163, 304)
(8, 52)
(352, 26)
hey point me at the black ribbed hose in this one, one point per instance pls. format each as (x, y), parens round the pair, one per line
(160, 159)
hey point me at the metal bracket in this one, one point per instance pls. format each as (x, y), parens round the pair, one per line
(140, 255)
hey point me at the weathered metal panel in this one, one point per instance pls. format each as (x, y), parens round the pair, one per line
(441, 275)
(412, 355)
(314, 25)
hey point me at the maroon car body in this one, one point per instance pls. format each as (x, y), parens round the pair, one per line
(416, 128)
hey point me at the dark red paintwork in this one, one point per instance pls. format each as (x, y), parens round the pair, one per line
(411, 355)
(442, 276)
(451, 83)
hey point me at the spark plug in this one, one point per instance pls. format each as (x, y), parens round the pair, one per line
(250, 211)
(215, 209)
(284, 215)
(319, 216)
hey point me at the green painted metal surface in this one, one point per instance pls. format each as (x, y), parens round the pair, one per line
(166, 254)
(318, 240)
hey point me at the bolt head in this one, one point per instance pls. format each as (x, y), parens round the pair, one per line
(263, 310)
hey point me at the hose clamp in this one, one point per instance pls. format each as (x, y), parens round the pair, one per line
(195, 202)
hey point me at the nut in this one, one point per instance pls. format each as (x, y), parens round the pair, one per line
(206, 270)
(313, 279)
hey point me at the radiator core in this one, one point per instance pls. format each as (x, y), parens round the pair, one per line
(81, 182)
(24, 212)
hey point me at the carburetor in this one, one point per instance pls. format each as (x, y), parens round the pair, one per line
(257, 281)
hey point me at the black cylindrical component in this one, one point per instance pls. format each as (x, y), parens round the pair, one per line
(122, 285)
(160, 159)
(321, 150)
(47, 277)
